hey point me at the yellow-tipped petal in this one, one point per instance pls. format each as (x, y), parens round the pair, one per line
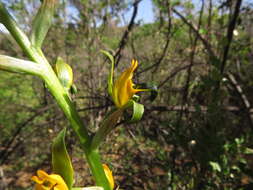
(109, 175)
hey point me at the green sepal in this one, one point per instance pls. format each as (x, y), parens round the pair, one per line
(138, 110)
(60, 159)
(110, 76)
(42, 22)
(64, 73)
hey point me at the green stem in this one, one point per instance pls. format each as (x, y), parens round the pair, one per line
(97, 170)
(60, 95)
(65, 104)
(22, 40)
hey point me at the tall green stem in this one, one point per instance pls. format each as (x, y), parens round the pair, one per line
(96, 167)
(65, 104)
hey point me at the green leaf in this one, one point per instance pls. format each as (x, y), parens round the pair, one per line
(138, 110)
(60, 159)
(106, 127)
(12, 64)
(110, 76)
(111, 120)
(42, 22)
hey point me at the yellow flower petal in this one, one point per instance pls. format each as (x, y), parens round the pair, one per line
(47, 182)
(41, 174)
(109, 175)
(123, 89)
(37, 180)
(40, 187)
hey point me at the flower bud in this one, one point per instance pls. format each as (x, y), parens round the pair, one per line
(64, 73)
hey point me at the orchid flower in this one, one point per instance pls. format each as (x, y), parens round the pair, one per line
(45, 181)
(123, 89)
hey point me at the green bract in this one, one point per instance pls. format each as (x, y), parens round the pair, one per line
(110, 76)
(60, 159)
(42, 22)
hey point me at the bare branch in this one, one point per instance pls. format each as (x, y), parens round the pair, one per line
(191, 108)
(124, 38)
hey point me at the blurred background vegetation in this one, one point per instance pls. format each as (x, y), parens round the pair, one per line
(197, 134)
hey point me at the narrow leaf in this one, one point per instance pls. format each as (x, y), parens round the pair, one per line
(106, 127)
(42, 22)
(12, 64)
(110, 76)
(60, 159)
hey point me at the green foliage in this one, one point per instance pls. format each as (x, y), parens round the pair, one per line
(61, 161)
(42, 22)
(138, 110)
